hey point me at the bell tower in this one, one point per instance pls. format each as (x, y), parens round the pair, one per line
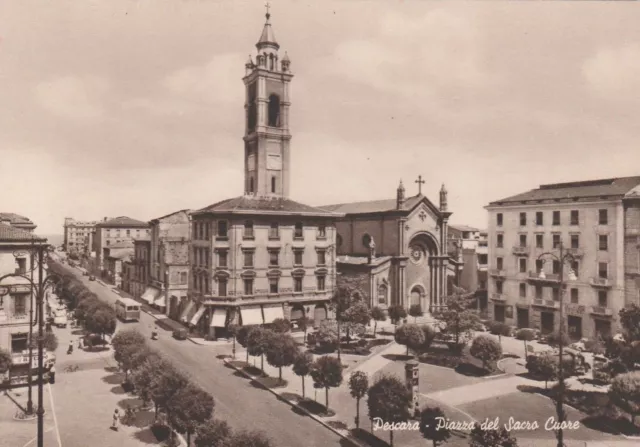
(267, 136)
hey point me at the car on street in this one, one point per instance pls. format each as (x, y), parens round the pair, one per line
(60, 319)
(92, 278)
(180, 334)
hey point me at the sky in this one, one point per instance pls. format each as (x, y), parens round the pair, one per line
(136, 108)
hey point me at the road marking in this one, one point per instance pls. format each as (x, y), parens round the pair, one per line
(34, 439)
(55, 418)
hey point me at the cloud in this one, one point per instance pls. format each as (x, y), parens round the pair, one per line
(217, 81)
(73, 97)
(614, 73)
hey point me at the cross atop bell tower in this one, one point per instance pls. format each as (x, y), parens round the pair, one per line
(267, 103)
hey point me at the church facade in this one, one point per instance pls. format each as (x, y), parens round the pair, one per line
(395, 250)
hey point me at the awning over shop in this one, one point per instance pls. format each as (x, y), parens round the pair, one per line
(161, 301)
(150, 294)
(251, 315)
(198, 315)
(219, 317)
(272, 312)
(186, 313)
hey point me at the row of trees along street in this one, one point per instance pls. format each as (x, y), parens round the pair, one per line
(179, 405)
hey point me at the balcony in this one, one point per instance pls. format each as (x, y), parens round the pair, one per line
(520, 250)
(551, 304)
(600, 282)
(576, 252)
(601, 310)
(498, 272)
(498, 297)
(549, 277)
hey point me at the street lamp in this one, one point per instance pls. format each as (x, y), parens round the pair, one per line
(561, 258)
(39, 290)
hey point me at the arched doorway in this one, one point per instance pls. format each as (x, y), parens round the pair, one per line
(421, 273)
(319, 314)
(416, 296)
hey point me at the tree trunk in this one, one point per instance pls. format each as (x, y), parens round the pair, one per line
(188, 438)
(358, 413)
(155, 405)
(391, 438)
(262, 363)
(280, 374)
(302, 386)
(375, 327)
(326, 390)
(434, 443)
(348, 334)
(247, 356)
(525, 349)
(407, 349)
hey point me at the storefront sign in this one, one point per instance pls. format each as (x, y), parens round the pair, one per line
(574, 309)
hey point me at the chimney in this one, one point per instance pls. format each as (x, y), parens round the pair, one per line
(400, 196)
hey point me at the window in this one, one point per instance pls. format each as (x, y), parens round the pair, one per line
(555, 240)
(523, 219)
(297, 284)
(366, 240)
(556, 218)
(274, 111)
(322, 231)
(248, 229)
(274, 230)
(539, 292)
(556, 267)
(20, 305)
(222, 258)
(108, 242)
(183, 277)
(321, 257)
(273, 258)
(248, 286)
(297, 257)
(483, 259)
(222, 287)
(575, 241)
(575, 266)
(499, 263)
(555, 293)
(321, 284)
(539, 241)
(575, 217)
(273, 184)
(499, 286)
(248, 258)
(382, 294)
(500, 240)
(603, 270)
(539, 218)
(128, 232)
(273, 285)
(602, 298)
(22, 266)
(603, 218)
(574, 296)
(523, 240)
(603, 242)
(523, 290)
(297, 232)
(523, 265)
(19, 342)
(222, 228)
(499, 219)
(338, 240)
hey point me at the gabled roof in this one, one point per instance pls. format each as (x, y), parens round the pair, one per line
(264, 205)
(463, 227)
(170, 214)
(380, 206)
(122, 222)
(609, 188)
(13, 234)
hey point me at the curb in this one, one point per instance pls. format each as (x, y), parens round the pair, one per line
(294, 405)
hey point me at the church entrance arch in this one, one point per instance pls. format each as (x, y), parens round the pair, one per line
(420, 271)
(416, 295)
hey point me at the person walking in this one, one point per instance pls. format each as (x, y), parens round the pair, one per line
(70, 349)
(116, 420)
(52, 375)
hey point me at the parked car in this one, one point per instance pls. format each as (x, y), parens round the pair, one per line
(85, 273)
(92, 278)
(60, 320)
(180, 334)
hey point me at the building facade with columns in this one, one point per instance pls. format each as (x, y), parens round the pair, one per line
(399, 245)
(262, 255)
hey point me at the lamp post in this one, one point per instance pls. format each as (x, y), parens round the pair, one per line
(39, 289)
(561, 258)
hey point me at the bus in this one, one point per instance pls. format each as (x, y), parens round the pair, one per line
(128, 309)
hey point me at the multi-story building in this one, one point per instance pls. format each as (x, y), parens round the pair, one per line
(114, 256)
(169, 263)
(261, 256)
(17, 221)
(598, 224)
(469, 246)
(112, 231)
(16, 246)
(139, 278)
(78, 235)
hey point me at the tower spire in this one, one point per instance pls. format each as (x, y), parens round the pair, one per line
(267, 38)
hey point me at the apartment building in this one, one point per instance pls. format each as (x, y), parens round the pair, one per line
(78, 235)
(116, 230)
(597, 225)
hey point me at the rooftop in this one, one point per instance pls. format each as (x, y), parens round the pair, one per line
(13, 234)
(264, 205)
(170, 214)
(16, 219)
(463, 227)
(609, 188)
(122, 222)
(374, 206)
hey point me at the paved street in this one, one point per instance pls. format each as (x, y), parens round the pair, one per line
(237, 401)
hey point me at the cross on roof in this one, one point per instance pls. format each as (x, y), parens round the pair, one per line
(267, 5)
(420, 182)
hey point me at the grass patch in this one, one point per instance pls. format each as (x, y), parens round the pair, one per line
(368, 437)
(462, 363)
(254, 371)
(316, 408)
(271, 382)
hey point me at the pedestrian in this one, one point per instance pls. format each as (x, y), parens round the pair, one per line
(70, 349)
(52, 375)
(80, 343)
(116, 420)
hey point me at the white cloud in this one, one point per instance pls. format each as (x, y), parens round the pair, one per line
(217, 81)
(73, 97)
(614, 73)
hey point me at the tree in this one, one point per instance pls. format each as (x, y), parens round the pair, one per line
(554, 339)
(459, 319)
(257, 343)
(304, 324)
(396, 313)
(189, 407)
(82, 308)
(378, 315)
(326, 372)
(144, 376)
(326, 338)
(50, 342)
(625, 393)
(281, 351)
(246, 438)
(281, 325)
(165, 385)
(389, 400)
(5, 361)
(102, 320)
(525, 335)
(355, 318)
(500, 437)
(302, 366)
(127, 337)
(212, 433)
(486, 349)
(429, 419)
(358, 385)
(242, 335)
(544, 366)
(411, 336)
(429, 336)
(630, 320)
(415, 311)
